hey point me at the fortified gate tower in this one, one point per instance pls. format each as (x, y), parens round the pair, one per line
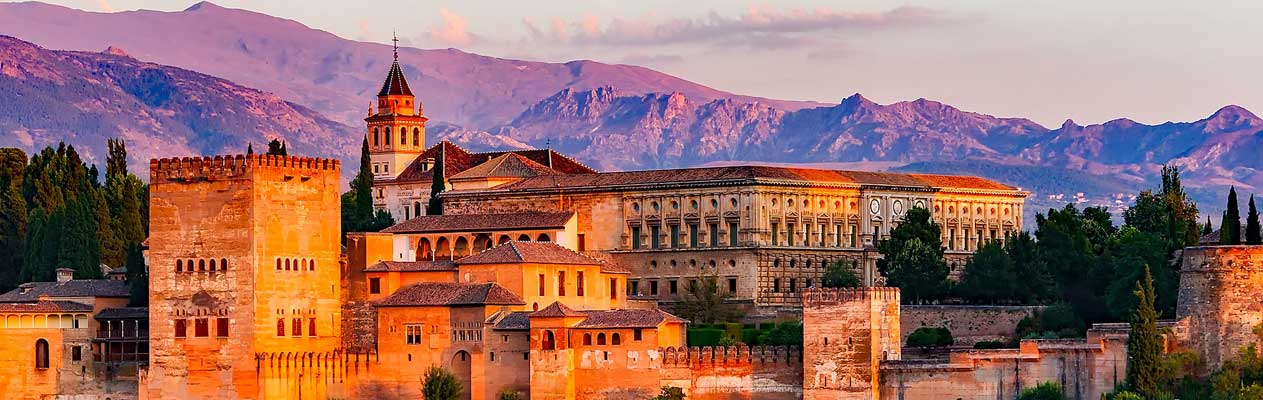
(847, 333)
(244, 255)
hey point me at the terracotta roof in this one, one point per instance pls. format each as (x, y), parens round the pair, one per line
(45, 306)
(395, 83)
(508, 165)
(511, 320)
(482, 222)
(30, 292)
(411, 266)
(451, 294)
(457, 160)
(750, 173)
(556, 310)
(529, 252)
(627, 319)
(124, 313)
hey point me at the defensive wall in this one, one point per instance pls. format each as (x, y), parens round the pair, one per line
(1219, 307)
(968, 324)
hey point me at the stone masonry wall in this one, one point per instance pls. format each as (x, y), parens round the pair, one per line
(968, 324)
(847, 333)
(1218, 305)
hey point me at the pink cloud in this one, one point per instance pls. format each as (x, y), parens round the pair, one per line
(452, 31)
(105, 6)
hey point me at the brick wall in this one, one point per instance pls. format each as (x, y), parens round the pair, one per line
(968, 324)
(1218, 305)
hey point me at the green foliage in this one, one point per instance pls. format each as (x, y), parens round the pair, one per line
(510, 394)
(13, 217)
(990, 276)
(1252, 233)
(925, 337)
(1124, 262)
(704, 336)
(840, 274)
(1169, 213)
(1230, 227)
(1126, 395)
(704, 303)
(912, 259)
(787, 333)
(1207, 229)
(357, 204)
(1053, 322)
(1045, 391)
(137, 277)
(440, 384)
(277, 148)
(670, 393)
(438, 183)
(1144, 345)
(1070, 243)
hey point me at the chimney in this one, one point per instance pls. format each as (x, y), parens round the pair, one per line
(65, 274)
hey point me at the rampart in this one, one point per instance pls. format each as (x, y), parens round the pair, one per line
(734, 372)
(232, 166)
(968, 324)
(1218, 308)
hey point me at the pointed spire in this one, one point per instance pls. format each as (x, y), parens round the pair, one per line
(395, 39)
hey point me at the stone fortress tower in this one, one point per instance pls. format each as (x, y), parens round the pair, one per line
(1219, 308)
(244, 260)
(847, 333)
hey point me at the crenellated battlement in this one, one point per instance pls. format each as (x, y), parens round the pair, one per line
(1223, 258)
(729, 355)
(829, 296)
(192, 169)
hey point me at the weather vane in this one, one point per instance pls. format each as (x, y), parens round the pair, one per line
(395, 38)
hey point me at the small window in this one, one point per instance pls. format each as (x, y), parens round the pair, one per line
(615, 339)
(179, 265)
(221, 327)
(76, 353)
(278, 264)
(637, 334)
(280, 327)
(412, 334)
(541, 284)
(201, 327)
(587, 339)
(579, 283)
(297, 326)
(181, 328)
(600, 339)
(732, 285)
(311, 327)
(561, 283)
(41, 354)
(311, 265)
(375, 285)
(223, 264)
(581, 244)
(212, 265)
(549, 341)
(201, 265)
(613, 288)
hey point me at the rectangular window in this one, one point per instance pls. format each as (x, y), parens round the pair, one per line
(951, 239)
(653, 288)
(854, 236)
(280, 327)
(675, 236)
(789, 234)
(297, 327)
(776, 285)
(732, 285)
(613, 288)
(581, 246)
(579, 283)
(776, 234)
(714, 235)
(672, 287)
(693, 235)
(633, 287)
(980, 238)
(201, 327)
(541, 284)
(375, 285)
(635, 237)
(637, 334)
(655, 239)
(311, 327)
(181, 328)
(561, 283)
(793, 283)
(807, 235)
(732, 233)
(993, 234)
(221, 327)
(76, 353)
(822, 231)
(412, 333)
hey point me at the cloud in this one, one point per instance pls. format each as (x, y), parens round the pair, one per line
(453, 30)
(652, 60)
(105, 6)
(829, 52)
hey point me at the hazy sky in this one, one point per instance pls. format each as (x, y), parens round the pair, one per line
(1049, 60)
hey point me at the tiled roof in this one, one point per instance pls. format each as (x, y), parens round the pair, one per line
(411, 266)
(529, 252)
(451, 294)
(395, 83)
(508, 165)
(45, 306)
(627, 319)
(124, 313)
(750, 173)
(457, 160)
(512, 320)
(482, 222)
(1209, 238)
(71, 288)
(556, 310)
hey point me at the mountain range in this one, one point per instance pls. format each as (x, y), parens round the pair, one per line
(315, 88)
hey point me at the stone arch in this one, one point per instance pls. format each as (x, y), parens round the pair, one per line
(543, 237)
(548, 341)
(442, 249)
(482, 242)
(462, 366)
(503, 239)
(461, 248)
(523, 238)
(424, 250)
(41, 354)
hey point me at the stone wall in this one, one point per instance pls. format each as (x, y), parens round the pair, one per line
(1218, 307)
(723, 373)
(847, 333)
(968, 324)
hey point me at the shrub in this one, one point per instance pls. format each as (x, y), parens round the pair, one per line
(439, 384)
(1045, 391)
(704, 336)
(670, 393)
(784, 334)
(925, 337)
(750, 336)
(509, 394)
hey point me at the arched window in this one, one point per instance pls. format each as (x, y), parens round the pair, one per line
(600, 339)
(311, 265)
(179, 265)
(549, 341)
(41, 354)
(223, 264)
(543, 237)
(403, 135)
(212, 264)
(278, 264)
(442, 249)
(462, 247)
(387, 141)
(188, 265)
(416, 136)
(523, 238)
(503, 239)
(587, 339)
(615, 339)
(424, 251)
(201, 265)
(304, 268)
(376, 137)
(287, 264)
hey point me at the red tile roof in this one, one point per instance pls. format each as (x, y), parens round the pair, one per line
(395, 83)
(509, 165)
(483, 222)
(124, 313)
(411, 266)
(45, 306)
(556, 310)
(510, 320)
(451, 294)
(30, 292)
(529, 252)
(457, 160)
(627, 319)
(750, 173)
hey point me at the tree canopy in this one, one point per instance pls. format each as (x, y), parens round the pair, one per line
(912, 259)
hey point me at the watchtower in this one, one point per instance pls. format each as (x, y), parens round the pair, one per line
(1218, 300)
(847, 333)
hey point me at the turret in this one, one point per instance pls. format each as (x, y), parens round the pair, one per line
(396, 131)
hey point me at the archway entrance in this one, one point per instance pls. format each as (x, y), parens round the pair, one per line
(462, 366)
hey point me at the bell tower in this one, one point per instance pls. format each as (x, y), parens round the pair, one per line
(396, 131)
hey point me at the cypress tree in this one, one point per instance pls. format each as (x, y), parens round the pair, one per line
(13, 217)
(284, 149)
(137, 277)
(438, 183)
(1230, 227)
(250, 149)
(1252, 234)
(1207, 229)
(1144, 345)
(357, 204)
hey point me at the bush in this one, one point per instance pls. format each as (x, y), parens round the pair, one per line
(704, 336)
(925, 337)
(750, 336)
(510, 394)
(1045, 391)
(1055, 321)
(670, 393)
(439, 384)
(784, 334)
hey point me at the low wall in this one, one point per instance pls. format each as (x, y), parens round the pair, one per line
(969, 324)
(739, 372)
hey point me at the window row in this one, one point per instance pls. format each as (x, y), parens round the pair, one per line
(381, 136)
(653, 264)
(201, 327)
(580, 285)
(714, 237)
(290, 264)
(443, 249)
(614, 338)
(817, 235)
(792, 285)
(201, 265)
(675, 205)
(296, 327)
(655, 287)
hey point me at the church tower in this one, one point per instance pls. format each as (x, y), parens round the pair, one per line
(396, 131)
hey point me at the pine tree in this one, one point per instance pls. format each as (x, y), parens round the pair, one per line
(13, 217)
(1230, 227)
(122, 191)
(1144, 345)
(1252, 234)
(438, 183)
(1207, 229)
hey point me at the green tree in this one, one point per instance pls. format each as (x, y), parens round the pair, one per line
(123, 195)
(1144, 345)
(1230, 227)
(438, 183)
(1252, 234)
(439, 384)
(1034, 283)
(1207, 229)
(137, 276)
(1129, 256)
(13, 217)
(912, 259)
(1045, 391)
(926, 337)
(1169, 213)
(840, 274)
(789, 333)
(1070, 243)
(357, 204)
(704, 303)
(670, 393)
(277, 148)
(990, 276)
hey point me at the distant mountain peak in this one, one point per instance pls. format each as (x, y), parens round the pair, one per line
(1069, 124)
(856, 98)
(203, 5)
(112, 50)
(1234, 113)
